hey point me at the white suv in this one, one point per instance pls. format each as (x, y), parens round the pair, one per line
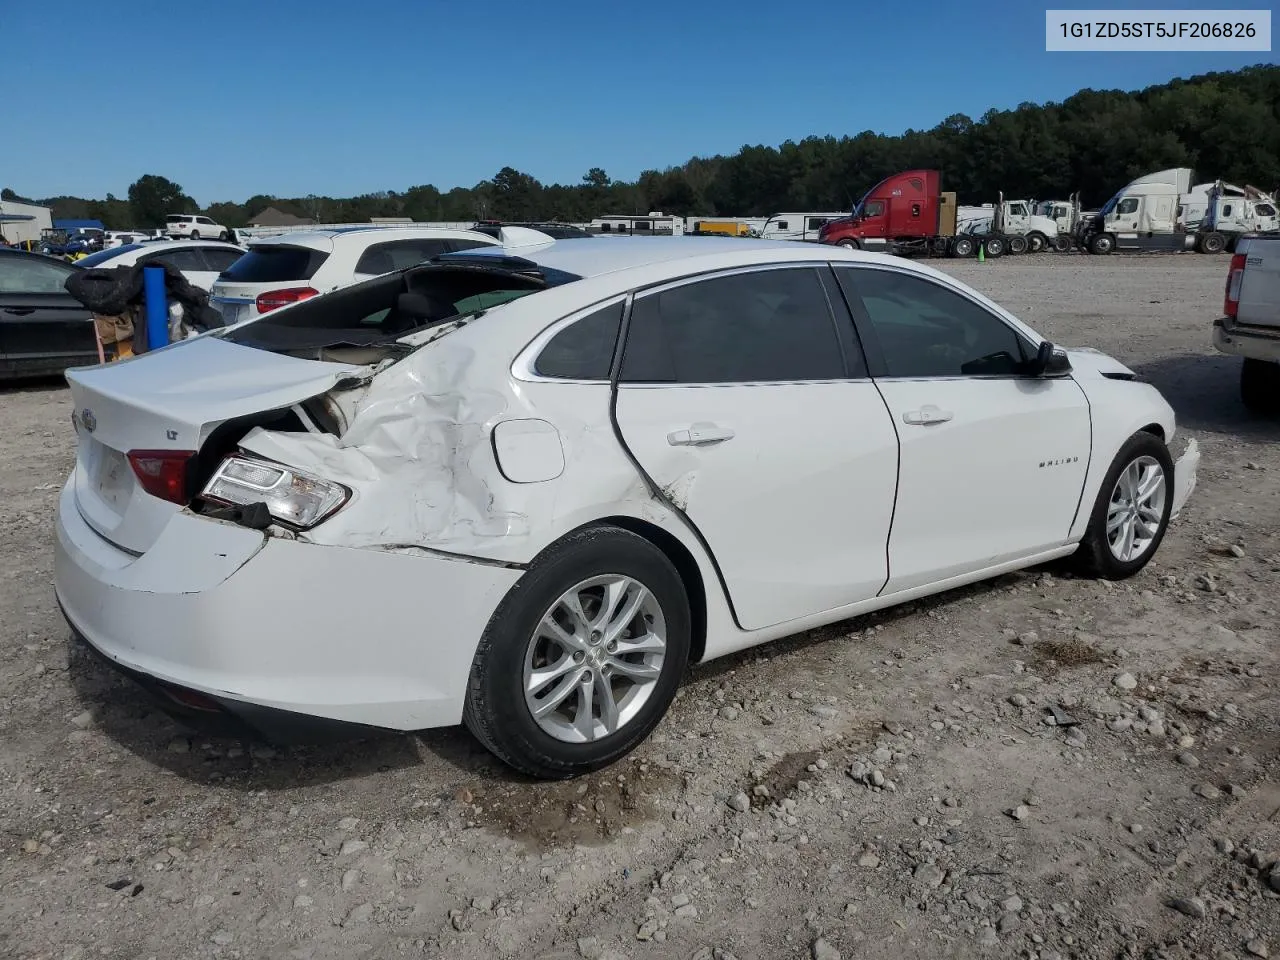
(285, 269)
(191, 226)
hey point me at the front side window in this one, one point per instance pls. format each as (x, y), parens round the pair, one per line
(926, 330)
(33, 275)
(761, 326)
(584, 349)
(874, 208)
(1127, 205)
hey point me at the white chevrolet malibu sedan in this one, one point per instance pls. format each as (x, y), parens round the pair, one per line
(523, 487)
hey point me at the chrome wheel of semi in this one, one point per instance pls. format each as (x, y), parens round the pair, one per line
(1136, 510)
(594, 659)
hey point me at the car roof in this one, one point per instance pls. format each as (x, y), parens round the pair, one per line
(609, 255)
(323, 240)
(128, 250)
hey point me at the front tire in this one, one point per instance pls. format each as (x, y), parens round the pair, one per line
(1260, 386)
(1101, 243)
(848, 244)
(1036, 241)
(195, 234)
(1212, 243)
(1062, 244)
(1131, 513)
(583, 656)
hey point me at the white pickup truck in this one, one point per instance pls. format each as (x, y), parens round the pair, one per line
(1250, 326)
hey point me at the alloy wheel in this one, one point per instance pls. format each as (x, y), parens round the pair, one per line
(595, 658)
(1136, 509)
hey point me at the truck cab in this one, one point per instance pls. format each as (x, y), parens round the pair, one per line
(905, 213)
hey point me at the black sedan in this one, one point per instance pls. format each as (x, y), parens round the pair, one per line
(43, 329)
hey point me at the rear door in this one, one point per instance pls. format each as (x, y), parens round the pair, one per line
(42, 327)
(745, 400)
(189, 261)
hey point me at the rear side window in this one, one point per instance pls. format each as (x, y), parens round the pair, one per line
(398, 254)
(220, 259)
(32, 275)
(187, 261)
(584, 349)
(275, 264)
(762, 326)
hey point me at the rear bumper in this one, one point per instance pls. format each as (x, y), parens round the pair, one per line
(1256, 343)
(265, 626)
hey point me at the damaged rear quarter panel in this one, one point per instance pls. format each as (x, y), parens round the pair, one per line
(419, 459)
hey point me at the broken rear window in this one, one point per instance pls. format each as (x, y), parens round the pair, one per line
(382, 310)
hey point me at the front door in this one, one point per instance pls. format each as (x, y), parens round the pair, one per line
(42, 327)
(993, 460)
(743, 399)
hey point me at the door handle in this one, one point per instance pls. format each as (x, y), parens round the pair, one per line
(698, 435)
(926, 415)
(19, 311)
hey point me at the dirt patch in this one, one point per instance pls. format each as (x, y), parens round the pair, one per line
(1054, 655)
(783, 778)
(589, 810)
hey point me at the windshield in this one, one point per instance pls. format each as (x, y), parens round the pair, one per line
(1110, 204)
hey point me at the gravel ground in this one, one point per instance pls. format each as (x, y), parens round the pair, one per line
(884, 788)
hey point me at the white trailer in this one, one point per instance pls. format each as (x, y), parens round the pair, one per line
(655, 224)
(797, 226)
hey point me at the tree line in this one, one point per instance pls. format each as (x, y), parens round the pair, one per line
(1223, 125)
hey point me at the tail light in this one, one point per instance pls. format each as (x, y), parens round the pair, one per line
(273, 299)
(162, 473)
(1235, 277)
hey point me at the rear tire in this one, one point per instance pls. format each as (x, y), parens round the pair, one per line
(994, 247)
(1101, 243)
(1018, 245)
(502, 691)
(1260, 386)
(962, 247)
(1120, 518)
(223, 236)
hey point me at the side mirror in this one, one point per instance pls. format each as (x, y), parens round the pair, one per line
(1050, 361)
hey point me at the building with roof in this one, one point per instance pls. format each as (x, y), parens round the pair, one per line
(271, 217)
(23, 221)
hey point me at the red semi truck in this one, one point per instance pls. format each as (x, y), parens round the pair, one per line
(908, 214)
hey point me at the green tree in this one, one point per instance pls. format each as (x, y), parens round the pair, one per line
(153, 198)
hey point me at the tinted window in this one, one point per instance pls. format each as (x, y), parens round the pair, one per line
(1226, 209)
(220, 259)
(1128, 205)
(183, 260)
(584, 349)
(398, 254)
(926, 330)
(874, 208)
(275, 264)
(32, 275)
(456, 245)
(767, 325)
(174, 219)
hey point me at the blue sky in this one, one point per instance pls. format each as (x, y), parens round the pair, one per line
(287, 97)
